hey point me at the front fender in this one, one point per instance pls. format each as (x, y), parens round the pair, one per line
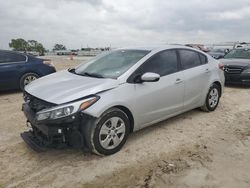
(103, 104)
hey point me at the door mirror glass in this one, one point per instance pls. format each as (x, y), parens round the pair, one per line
(150, 77)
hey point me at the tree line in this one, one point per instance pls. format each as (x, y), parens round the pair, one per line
(20, 44)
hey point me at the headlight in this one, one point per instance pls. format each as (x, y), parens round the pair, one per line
(246, 71)
(61, 112)
(66, 110)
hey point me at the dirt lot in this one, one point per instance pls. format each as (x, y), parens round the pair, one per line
(195, 149)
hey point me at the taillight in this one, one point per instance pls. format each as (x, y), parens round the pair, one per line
(221, 66)
(48, 62)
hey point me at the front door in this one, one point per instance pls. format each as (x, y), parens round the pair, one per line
(156, 101)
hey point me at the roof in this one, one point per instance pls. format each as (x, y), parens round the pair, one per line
(156, 48)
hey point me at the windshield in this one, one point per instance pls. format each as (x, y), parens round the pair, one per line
(239, 54)
(111, 65)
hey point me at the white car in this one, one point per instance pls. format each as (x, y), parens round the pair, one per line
(97, 104)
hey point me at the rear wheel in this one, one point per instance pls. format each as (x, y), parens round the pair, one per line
(107, 134)
(27, 79)
(212, 99)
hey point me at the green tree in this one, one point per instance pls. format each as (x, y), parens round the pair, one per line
(40, 49)
(30, 45)
(33, 45)
(19, 44)
(59, 47)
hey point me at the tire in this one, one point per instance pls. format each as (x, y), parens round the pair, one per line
(212, 99)
(27, 78)
(107, 134)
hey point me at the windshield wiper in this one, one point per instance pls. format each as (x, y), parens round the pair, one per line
(72, 70)
(95, 75)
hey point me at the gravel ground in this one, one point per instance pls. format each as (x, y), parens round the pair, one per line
(195, 149)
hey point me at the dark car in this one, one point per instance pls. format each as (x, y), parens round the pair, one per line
(217, 53)
(19, 69)
(237, 66)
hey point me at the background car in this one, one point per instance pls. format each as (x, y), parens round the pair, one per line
(18, 69)
(218, 53)
(97, 104)
(198, 46)
(237, 66)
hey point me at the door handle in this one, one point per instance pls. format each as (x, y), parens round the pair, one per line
(178, 80)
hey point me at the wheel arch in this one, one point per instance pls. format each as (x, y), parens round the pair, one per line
(21, 77)
(128, 113)
(29, 71)
(220, 86)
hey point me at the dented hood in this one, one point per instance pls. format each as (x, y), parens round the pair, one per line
(62, 87)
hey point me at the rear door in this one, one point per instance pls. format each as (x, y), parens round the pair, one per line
(157, 100)
(11, 65)
(196, 72)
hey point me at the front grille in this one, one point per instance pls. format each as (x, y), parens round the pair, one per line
(233, 70)
(36, 104)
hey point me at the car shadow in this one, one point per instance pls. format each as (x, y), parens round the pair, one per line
(9, 92)
(237, 86)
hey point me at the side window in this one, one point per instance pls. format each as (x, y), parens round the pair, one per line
(189, 59)
(203, 59)
(7, 57)
(163, 63)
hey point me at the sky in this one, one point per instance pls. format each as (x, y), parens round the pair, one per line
(120, 23)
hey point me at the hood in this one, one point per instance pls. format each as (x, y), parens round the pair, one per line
(62, 87)
(236, 62)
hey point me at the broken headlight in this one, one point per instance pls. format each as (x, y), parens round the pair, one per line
(65, 110)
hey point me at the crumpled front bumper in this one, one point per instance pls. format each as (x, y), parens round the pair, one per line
(61, 133)
(30, 139)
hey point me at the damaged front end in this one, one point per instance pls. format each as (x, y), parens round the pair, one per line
(55, 126)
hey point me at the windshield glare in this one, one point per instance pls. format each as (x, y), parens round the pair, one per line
(111, 65)
(239, 53)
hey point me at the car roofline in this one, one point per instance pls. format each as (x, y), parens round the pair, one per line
(156, 48)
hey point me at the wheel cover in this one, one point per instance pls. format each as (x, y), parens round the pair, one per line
(29, 79)
(213, 97)
(112, 133)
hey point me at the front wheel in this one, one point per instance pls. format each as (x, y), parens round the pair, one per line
(212, 99)
(27, 79)
(107, 134)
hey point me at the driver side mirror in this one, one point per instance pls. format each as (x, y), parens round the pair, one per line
(148, 77)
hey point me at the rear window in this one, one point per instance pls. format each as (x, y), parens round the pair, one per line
(8, 57)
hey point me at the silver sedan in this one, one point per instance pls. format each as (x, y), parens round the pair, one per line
(97, 104)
